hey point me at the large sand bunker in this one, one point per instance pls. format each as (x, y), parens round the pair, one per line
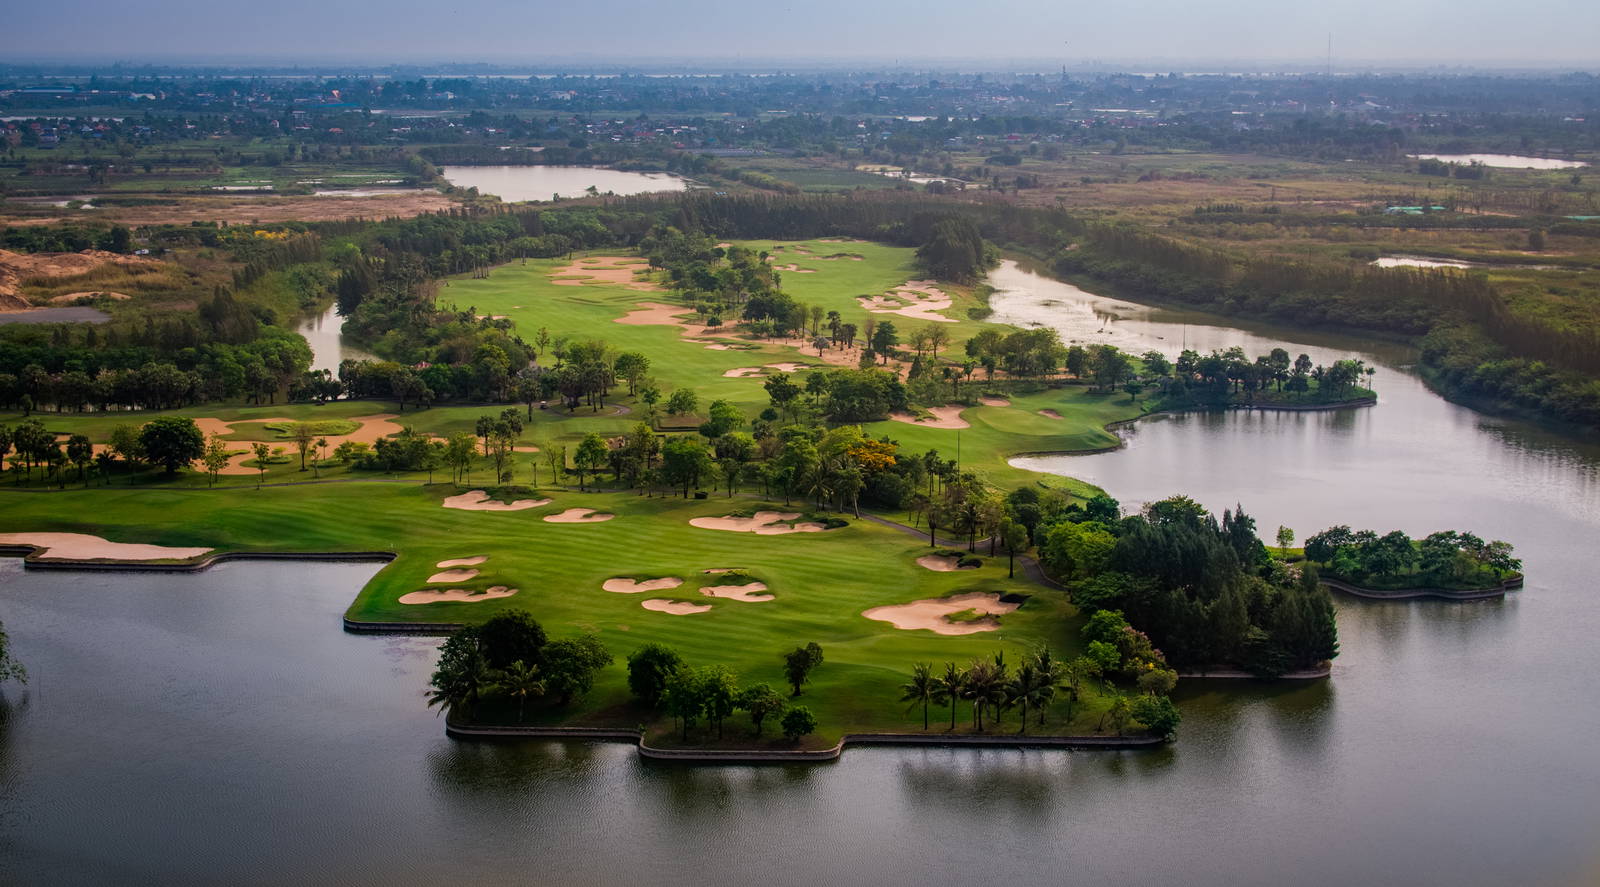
(942, 563)
(478, 500)
(676, 608)
(83, 547)
(742, 372)
(916, 299)
(442, 595)
(994, 401)
(578, 516)
(452, 575)
(932, 613)
(462, 562)
(634, 586)
(943, 417)
(615, 270)
(371, 429)
(763, 523)
(746, 593)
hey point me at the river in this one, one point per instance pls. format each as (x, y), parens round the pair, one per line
(219, 727)
(324, 332)
(514, 183)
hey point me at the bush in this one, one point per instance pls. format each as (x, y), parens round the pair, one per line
(798, 722)
(969, 561)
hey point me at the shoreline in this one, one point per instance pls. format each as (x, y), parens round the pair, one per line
(1234, 674)
(1405, 594)
(468, 732)
(1112, 426)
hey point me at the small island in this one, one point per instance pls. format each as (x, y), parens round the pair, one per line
(1448, 564)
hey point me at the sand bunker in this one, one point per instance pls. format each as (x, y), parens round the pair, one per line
(1051, 414)
(994, 401)
(371, 429)
(788, 367)
(943, 417)
(714, 571)
(916, 299)
(794, 269)
(931, 613)
(616, 270)
(83, 547)
(634, 586)
(742, 372)
(452, 576)
(746, 593)
(764, 523)
(578, 516)
(942, 563)
(462, 562)
(676, 608)
(716, 346)
(478, 500)
(441, 595)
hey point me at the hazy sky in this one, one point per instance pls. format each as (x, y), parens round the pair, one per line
(887, 32)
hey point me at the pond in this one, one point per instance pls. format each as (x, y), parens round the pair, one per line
(324, 332)
(1506, 161)
(515, 183)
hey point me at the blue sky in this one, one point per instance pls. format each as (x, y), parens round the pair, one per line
(883, 32)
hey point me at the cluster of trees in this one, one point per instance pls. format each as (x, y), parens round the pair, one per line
(1206, 593)
(1446, 559)
(660, 679)
(170, 442)
(509, 656)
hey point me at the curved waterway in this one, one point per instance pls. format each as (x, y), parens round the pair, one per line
(324, 332)
(220, 727)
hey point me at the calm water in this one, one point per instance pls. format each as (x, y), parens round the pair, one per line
(325, 334)
(514, 183)
(221, 728)
(1507, 161)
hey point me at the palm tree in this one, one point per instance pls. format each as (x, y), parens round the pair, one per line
(1049, 670)
(1073, 674)
(1029, 688)
(981, 686)
(520, 680)
(999, 695)
(919, 689)
(948, 687)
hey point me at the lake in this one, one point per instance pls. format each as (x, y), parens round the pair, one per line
(1506, 161)
(220, 727)
(324, 332)
(515, 183)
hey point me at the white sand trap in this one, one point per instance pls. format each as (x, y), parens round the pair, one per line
(943, 417)
(462, 562)
(478, 500)
(578, 516)
(452, 576)
(634, 586)
(615, 270)
(746, 593)
(742, 372)
(676, 608)
(994, 401)
(83, 547)
(916, 299)
(716, 346)
(764, 523)
(442, 595)
(930, 613)
(788, 367)
(942, 563)
(724, 245)
(1051, 414)
(794, 269)
(494, 317)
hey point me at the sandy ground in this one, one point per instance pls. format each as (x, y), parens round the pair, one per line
(941, 563)
(617, 270)
(745, 593)
(578, 516)
(794, 269)
(372, 428)
(83, 547)
(462, 562)
(943, 417)
(788, 367)
(437, 595)
(930, 613)
(478, 500)
(764, 523)
(257, 209)
(676, 608)
(657, 314)
(17, 267)
(742, 372)
(452, 575)
(916, 299)
(1051, 414)
(716, 346)
(70, 298)
(994, 401)
(634, 586)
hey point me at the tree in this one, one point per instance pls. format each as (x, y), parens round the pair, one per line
(1074, 675)
(512, 636)
(458, 455)
(215, 458)
(884, 338)
(1157, 713)
(1031, 689)
(798, 722)
(591, 456)
(632, 366)
(1285, 539)
(920, 689)
(171, 442)
(681, 698)
(719, 694)
(948, 688)
(799, 663)
(79, 452)
(1014, 537)
(570, 665)
(684, 462)
(521, 679)
(261, 451)
(304, 435)
(1120, 711)
(682, 400)
(760, 702)
(650, 668)
(462, 672)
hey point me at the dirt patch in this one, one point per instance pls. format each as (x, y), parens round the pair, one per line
(83, 547)
(256, 209)
(994, 401)
(1051, 414)
(943, 417)
(578, 516)
(452, 575)
(17, 267)
(464, 595)
(462, 562)
(622, 585)
(942, 563)
(746, 593)
(931, 613)
(478, 500)
(675, 608)
(764, 523)
(614, 270)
